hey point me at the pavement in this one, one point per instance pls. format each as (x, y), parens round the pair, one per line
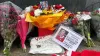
(17, 51)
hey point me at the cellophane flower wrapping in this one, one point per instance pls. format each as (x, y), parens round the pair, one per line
(81, 22)
(8, 21)
(95, 21)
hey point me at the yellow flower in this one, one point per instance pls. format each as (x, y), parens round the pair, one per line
(45, 11)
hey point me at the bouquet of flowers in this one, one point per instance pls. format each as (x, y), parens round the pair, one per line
(81, 21)
(96, 22)
(42, 16)
(8, 21)
(47, 17)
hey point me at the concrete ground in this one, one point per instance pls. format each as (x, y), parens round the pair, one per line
(16, 51)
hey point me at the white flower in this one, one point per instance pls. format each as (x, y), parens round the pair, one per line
(28, 9)
(22, 15)
(63, 8)
(53, 5)
(37, 12)
(78, 12)
(78, 16)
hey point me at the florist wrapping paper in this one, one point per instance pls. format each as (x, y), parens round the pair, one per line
(8, 21)
(47, 17)
(22, 29)
(46, 21)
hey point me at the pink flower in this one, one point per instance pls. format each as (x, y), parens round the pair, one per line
(97, 11)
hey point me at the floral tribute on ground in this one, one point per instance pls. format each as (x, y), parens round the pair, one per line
(47, 18)
(81, 22)
(43, 18)
(8, 21)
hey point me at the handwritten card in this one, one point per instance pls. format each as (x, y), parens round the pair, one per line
(67, 38)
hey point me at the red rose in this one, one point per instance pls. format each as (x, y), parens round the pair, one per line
(39, 6)
(36, 6)
(49, 7)
(32, 13)
(75, 21)
(72, 15)
(58, 6)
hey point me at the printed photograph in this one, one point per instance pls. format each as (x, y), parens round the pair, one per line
(61, 35)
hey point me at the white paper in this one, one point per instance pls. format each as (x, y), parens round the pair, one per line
(47, 46)
(85, 17)
(71, 41)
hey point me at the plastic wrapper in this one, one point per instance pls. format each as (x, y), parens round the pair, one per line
(22, 29)
(44, 45)
(8, 21)
(81, 23)
(95, 21)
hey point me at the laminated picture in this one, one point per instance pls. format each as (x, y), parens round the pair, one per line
(61, 35)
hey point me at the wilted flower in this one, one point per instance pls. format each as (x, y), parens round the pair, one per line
(8, 20)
